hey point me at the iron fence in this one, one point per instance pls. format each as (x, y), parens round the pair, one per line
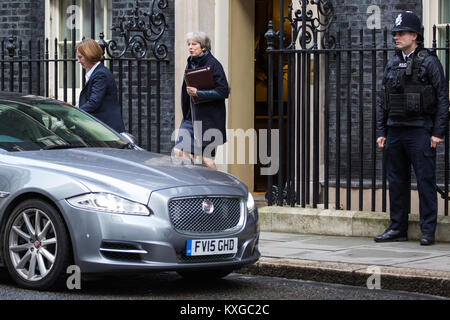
(325, 111)
(136, 58)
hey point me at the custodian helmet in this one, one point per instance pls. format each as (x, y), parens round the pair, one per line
(408, 21)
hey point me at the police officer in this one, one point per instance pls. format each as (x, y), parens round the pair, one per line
(412, 118)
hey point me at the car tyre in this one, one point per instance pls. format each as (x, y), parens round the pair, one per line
(36, 245)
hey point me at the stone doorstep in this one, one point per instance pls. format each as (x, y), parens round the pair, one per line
(340, 222)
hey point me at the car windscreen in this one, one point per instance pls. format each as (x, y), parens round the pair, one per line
(26, 127)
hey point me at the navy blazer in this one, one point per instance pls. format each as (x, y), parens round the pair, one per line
(99, 98)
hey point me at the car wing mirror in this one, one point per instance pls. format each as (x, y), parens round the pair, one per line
(131, 140)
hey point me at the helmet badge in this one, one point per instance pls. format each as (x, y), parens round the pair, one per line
(398, 21)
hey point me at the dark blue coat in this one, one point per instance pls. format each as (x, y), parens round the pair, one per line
(212, 114)
(99, 98)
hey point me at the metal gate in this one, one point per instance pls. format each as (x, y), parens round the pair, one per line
(136, 58)
(328, 99)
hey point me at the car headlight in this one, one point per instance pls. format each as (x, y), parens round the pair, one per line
(108, 203)
(250, 202)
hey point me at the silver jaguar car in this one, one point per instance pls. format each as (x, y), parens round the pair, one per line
(75, 192)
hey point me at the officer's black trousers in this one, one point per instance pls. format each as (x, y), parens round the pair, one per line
(406, 146)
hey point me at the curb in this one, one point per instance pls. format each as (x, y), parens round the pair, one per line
(380, 277)
(340, 222)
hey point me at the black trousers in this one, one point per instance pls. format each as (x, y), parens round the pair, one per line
(406, 146)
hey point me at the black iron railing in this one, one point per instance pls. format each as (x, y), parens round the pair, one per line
(326, 121)
(136, 58)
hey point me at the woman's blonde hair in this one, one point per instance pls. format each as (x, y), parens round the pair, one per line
(90, 49)
(200, 37)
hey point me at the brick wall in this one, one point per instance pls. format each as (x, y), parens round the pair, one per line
(23, 21)
(22, 18)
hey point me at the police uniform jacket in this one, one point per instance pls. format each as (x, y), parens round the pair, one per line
(430, 72)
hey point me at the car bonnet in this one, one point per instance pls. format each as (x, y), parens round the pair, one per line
(126, 172)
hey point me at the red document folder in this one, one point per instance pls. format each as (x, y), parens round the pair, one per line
(201, 78)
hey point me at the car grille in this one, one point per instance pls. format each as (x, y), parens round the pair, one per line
(187, 215)
(212, 258)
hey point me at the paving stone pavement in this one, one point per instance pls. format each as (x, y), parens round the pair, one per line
(356, 261)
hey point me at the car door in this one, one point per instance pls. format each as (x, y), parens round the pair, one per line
(5, 185)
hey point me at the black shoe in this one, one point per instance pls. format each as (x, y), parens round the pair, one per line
(392, 236)
(427, 239)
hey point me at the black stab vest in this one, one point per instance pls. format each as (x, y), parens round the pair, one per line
(409, 94)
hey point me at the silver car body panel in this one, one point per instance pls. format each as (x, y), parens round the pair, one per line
(143, 242)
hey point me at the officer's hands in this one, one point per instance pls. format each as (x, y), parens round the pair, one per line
(381, 141)
(435, 141)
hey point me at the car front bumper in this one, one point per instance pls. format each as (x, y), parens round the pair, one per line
(105, 242)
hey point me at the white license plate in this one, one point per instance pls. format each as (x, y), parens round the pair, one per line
(205, 247)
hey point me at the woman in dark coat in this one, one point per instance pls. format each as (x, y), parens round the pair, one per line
(206, 120)
(99, 95)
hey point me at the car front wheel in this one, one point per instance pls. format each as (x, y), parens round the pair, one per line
(36, 245)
